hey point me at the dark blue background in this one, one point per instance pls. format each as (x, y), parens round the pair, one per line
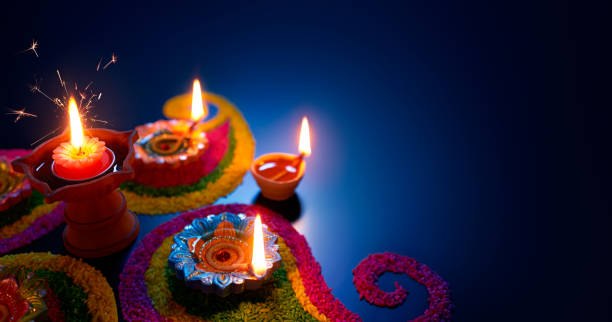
(465, 135)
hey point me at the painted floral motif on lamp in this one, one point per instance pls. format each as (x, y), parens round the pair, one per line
(213, 254)
(169, 143)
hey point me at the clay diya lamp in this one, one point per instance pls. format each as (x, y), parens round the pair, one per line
(224, 254)
(13, 185)
(85, 173)
(22, 295)
(171, 147)
(278, 174)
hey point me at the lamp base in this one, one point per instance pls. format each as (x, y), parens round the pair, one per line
(99, 227)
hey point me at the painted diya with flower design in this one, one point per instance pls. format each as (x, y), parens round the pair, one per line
(214, 254)
(22, 295)
(46, 287)
(182, 164)
(166, 145)
(24, 214)
(13, 186)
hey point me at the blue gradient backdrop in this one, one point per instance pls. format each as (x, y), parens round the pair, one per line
(456, 133)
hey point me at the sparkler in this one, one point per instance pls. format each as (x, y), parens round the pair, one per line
(86, 95)
(36, 89)
(32, 48)
(20, 113)
(46, 136)
(113, 60)
(62, 83)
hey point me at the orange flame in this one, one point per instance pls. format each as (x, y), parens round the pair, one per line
(76, 128)
(258, 261)
(304, 146)
(197, 107)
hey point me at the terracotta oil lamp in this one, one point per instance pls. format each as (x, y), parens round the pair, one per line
(278, 174)
(165, 145)
(84, 169)
(225, 253)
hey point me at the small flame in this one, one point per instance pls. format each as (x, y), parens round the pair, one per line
(197, 107)
(76, 128)
(258, 261)
(304, 146)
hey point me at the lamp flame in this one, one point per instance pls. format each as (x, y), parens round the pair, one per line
(258, 261)
(304, 146)
(197, 107)
(76, 128)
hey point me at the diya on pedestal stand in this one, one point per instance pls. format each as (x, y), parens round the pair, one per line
(98, 222)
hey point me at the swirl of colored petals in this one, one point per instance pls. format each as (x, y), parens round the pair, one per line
(69, 156)
(34, 223)
(42, 220)
(54, 306)
(100, 299)
(136, 305)
(366, 274)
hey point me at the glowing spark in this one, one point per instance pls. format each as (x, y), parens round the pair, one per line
(113, 60)
(88, 104)
(32, 48)
(62, 82)
(99, 62)
(99, 96)
(98, 120)
(20, 113)
(36, 89)
(86, 87)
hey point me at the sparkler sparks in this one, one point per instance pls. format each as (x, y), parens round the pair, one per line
(113, 60)
(20, 113)
(46, 136)
(88, 95)
(32, 48)
(36, 89)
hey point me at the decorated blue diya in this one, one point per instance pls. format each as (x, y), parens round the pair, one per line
(216, 254)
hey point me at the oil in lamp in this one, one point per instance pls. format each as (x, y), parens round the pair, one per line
(84, 169)
(225, 253)
(278, 174)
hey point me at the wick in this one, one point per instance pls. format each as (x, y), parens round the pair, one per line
(191, 129)
(255, 274)
(296, 164)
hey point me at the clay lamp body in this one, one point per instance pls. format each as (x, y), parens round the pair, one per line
(98, 222)
(22, 295)
(224, 254)
(169, 144)
(278, 174)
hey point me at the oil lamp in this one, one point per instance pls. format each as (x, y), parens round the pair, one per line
(83, 157)
(168, 144)
(84, 169)
(13, 186)
(278, 174)
(225, 253)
